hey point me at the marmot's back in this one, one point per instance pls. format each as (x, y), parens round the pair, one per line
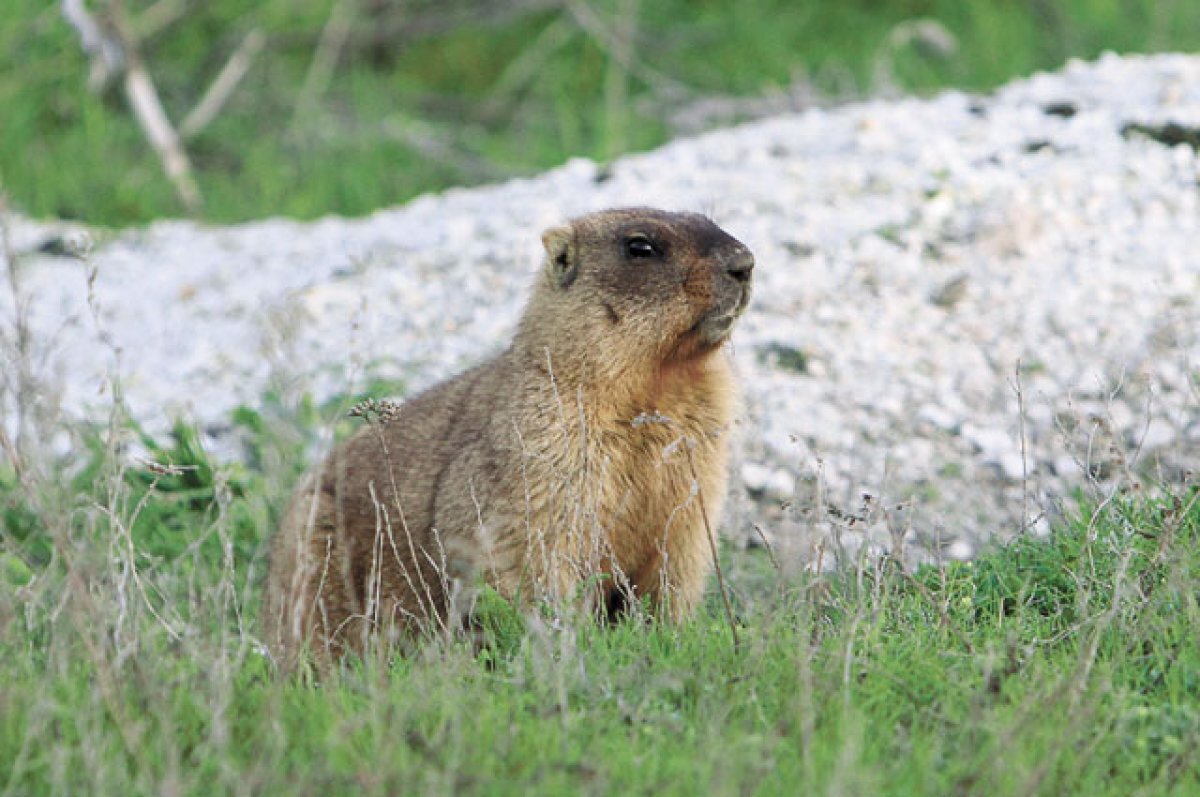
(561, 469)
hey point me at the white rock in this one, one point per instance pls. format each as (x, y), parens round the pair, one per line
(769, 481)
(1158, 434)
(960, 550)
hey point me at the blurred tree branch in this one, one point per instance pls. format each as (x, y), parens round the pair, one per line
(112, 43)
(103, 49)
(112, 47)
(223, 86)
(325, 57)
(158, 17)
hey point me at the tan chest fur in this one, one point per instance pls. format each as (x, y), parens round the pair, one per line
(615, 490)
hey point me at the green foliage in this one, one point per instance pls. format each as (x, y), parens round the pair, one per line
(497, 626)
(411, 111)
(19, 523)
(169, 496)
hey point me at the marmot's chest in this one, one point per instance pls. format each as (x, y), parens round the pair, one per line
(629, 474)
(638, 481)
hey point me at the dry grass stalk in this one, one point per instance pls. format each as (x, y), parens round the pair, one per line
(712, 544)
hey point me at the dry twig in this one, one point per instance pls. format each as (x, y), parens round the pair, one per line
(158, 17)
(223, 86)
(113, 48)
(325, 58)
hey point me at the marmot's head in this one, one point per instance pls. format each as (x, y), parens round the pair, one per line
(639, 286)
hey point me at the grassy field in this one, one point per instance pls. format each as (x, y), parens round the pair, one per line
(130, 664)
(408, 97)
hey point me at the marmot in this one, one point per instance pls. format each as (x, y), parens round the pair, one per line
(571, 466)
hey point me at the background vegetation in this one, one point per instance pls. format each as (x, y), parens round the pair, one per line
(351, 105)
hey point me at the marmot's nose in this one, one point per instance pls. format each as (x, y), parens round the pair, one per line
(740, 266)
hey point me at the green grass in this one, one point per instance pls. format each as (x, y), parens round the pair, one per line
(487, 99)
(129, 661)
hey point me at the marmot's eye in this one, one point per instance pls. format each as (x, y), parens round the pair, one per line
(640, 246)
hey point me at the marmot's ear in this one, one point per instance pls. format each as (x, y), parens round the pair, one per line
(561, 261)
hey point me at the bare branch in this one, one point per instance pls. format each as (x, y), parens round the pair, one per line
(143, 98)
(223, 86)
(101, 43)
(102, 47)
(329, 49)
(159, 17)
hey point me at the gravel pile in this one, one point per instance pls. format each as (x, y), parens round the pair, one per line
(966, 307)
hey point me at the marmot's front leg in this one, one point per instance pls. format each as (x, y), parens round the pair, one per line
(674, 583)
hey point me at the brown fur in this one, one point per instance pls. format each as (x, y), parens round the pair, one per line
(556, 470)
